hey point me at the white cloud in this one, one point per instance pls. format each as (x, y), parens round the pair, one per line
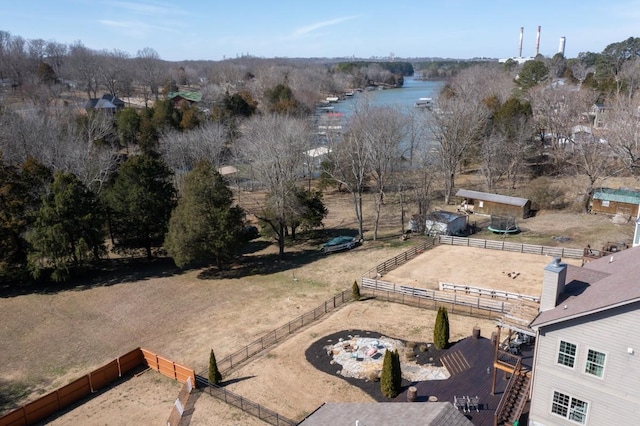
(149, 8)
(318, 25)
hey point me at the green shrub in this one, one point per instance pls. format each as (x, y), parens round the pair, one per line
(215, 376)
(391, 375)
(441, 329)
(355, 290)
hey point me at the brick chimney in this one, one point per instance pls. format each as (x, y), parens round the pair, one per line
(553, 282)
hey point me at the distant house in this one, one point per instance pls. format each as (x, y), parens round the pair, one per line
(616, 201)
(184, 98)
(587, 353)
(597, 115)
(493, 204)
(107, 102)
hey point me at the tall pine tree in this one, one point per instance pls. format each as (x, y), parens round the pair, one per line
(68, 228)
(205, 225)
(139, 204)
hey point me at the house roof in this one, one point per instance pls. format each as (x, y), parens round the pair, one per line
(387, 413)
(107, 101)
(629, 196)
(444, 216)
(494, 198)
(318, 152)
(190, 96)
(602, 284)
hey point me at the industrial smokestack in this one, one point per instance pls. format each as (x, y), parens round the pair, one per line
(520, 49)
(563, 41)
(538, 41)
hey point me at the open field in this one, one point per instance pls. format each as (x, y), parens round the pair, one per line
(53, 336)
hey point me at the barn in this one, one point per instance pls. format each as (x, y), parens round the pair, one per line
(493, 204)
(616, 201)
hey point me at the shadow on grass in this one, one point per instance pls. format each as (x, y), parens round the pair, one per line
(105, 272)
(11, 394)
(262, 265)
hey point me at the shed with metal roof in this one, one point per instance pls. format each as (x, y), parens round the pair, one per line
(616, 201)
(493, 204)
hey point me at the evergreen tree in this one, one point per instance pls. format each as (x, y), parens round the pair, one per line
(139, 204)
(67, 229)
(355, 291)
(391, 375)
(128, 125)
(21, 191)
(205, 224)
(441, 329)
(215, 377)
(306, 210)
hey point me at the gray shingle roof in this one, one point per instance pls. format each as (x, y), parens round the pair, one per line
(387, 413)
(599, 285)
(495, 198)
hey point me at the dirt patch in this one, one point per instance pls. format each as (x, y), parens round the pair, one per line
(492, 269)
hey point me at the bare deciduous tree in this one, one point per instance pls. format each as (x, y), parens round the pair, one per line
(622, 133)
(273, 147)
(183, 149)
(456, 126)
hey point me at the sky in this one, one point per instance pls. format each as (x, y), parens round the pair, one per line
(222, 29)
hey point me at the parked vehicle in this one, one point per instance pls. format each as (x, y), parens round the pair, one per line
(342, 242)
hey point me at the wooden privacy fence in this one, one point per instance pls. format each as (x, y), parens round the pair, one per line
(168, 368)
(229, 362)
(421, 297)
(246, 405)
(63, 397)
(513, 247)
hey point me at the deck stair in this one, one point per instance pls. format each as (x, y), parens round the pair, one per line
(514, 399)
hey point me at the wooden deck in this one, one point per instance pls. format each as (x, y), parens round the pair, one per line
(470, 363)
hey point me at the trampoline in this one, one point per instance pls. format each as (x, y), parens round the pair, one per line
(503, 225)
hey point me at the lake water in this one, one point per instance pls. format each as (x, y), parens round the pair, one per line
(402, 98)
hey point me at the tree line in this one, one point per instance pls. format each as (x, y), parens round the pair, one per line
(76, 183)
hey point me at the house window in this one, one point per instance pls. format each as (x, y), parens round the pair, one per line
(569, 407)
(595, 363)
(605, 203)
(567, 354)
(481, 204)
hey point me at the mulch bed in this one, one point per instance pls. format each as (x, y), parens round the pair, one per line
(317, 355)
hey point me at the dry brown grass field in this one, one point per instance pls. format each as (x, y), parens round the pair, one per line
(50, 337)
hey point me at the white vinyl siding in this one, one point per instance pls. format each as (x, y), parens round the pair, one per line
(614, 398)
(567, 354)
(595, 363)
(569, 407)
